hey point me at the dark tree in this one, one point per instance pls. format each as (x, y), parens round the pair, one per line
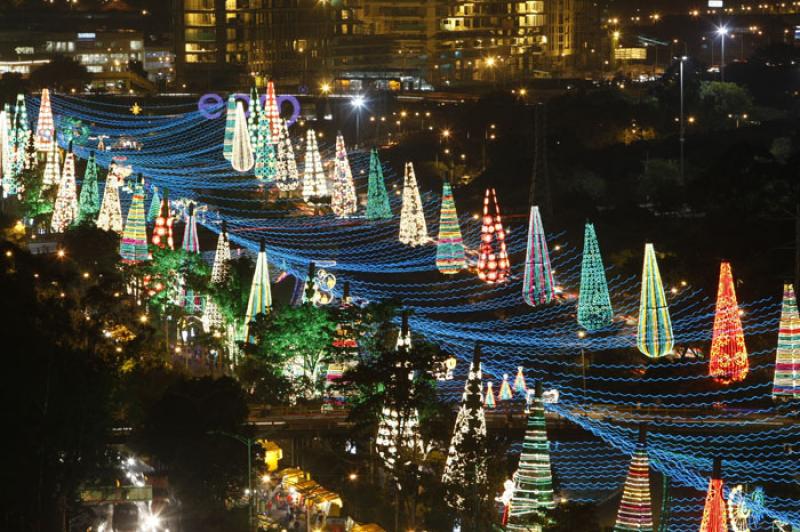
(61, 73)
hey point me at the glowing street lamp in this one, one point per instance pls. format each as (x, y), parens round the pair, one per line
(358, 102)
(722, 31)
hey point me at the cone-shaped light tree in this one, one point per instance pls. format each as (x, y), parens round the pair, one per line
(413, 229)
(715, 515)
(398, 428)
(594, 303)
(89, 204)
(219, 274)
(787, 359)
(155, 206)
(253, 116)
(45, 127)
(505, 389)
(22, 128)
(378, 206)
(265, 165)
(6, 157)
(162, 231)
(65, 211)
(133, 246)
(489, 401)
(242, 150)
(465, 471)
(314, 185)
(272, 112)
(191, 244)
(538, 287)
(230, 124)
(493, 265)
(654, 338)
(260, 300)
(533, 480)
(728, 359)
(635, 513)
(286, 176)
(520, 386)
(110, 216)
(343, 200)
(52, 165)
(450, 256)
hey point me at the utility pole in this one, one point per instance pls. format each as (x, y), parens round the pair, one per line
(683, 124)
(539, 170)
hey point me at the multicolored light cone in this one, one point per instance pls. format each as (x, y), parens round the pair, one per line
(787, 359)
(110, 216)
(715, 515)
(65, 211)
(505, 389)
(133, 247)
(242, 158)
(260, 300)
(286, 177)
(533, 480)
(489, 401)
(450, 256)
(162, 231)
(635, 513)
(45, 127)
(272, 112)
(538, 287)
(230, 123)
(520, 386)
(728, 360)
(89, 204)
(314, 185)
(493, 266)
(654, 338)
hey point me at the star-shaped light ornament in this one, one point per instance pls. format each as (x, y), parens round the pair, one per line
(136, 108)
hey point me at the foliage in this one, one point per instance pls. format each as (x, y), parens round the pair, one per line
(231, 295)
(571, 516)
(296, 340)
(661, 184)
(61, 73)
(37, 204)
(185, 430)
(721, 100)
(164, 269)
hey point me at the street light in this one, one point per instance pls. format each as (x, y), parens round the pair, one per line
(357, 102)
(683, 123)
(722, 31)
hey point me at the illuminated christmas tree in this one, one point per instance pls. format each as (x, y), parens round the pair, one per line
(343, 200)
(728, 359)
(413, 229)
(89, 205)
(265, 165)
(110, 216)
(594, 303)
(272, 112)
(533, 480)
(654, 338)
(398, 428)
(155, 206)
(286, 176)
(220, 270)
(65, 211)
(22, 128)
(45, 127)
(450, 257)
(162, 231)
(489, 401)
(377, 198)
(715, 515)
(242, 150)
(538, 287)
(787, 359)
(493, 266)
(52, 165)
(230, 124)
(465, 471)
(520, 386)
(635, 514)
(191, 244)
(133, 246)
(253, 116)
(260, 300)
(6, 157)
(505, 389)
(314, 186)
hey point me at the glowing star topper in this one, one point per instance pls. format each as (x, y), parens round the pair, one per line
(136, 108)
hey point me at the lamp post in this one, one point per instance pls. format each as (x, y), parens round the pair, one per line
(248, 442)
(358, 102)
(722, 31)
(682, 122)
